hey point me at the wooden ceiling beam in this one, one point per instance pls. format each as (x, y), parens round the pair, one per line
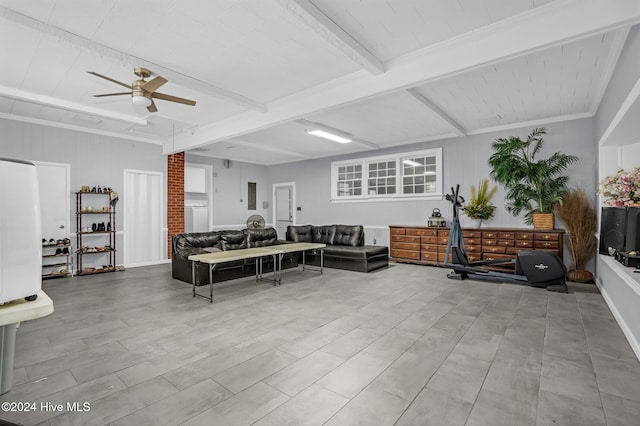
(313, 17)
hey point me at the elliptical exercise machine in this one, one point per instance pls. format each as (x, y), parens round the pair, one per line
(535, 268)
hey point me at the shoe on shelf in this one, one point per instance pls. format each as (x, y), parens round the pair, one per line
(66, 241)
(58, 251)
(65, 250)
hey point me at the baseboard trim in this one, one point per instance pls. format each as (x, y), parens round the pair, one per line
(151, 263)
(633, 342)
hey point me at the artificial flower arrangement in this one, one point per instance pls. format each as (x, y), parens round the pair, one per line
(621, 189)
(480, 206)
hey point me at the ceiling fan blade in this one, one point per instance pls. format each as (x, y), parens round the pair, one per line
(110, 79)
(172, 98)
(153, 85)
(112, 94)
(152, 107)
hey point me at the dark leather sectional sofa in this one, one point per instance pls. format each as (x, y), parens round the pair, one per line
(187, 244)
(345, 247)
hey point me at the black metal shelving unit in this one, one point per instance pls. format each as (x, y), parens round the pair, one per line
(93, 242)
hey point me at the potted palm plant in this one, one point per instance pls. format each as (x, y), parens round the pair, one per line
(480, 207)
(581, 224)
(533, 185)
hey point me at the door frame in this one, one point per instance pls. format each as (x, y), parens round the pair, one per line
(161, 207)
(275, 186)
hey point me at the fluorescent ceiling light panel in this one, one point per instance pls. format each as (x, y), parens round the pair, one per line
(412, 163)
(331, 136)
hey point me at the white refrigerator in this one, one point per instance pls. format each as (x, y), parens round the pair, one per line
(20, 231)
(196, 218)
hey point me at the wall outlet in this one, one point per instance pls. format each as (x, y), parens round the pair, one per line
(374, 241)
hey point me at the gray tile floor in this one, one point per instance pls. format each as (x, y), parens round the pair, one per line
(401, 346)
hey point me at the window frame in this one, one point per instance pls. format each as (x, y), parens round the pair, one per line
(398, 159)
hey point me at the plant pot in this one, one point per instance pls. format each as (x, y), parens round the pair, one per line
(543, 221)
(580, 276)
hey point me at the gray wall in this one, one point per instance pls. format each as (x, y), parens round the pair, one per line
(94, 159)
(230, 190)
(100, 160)
(624, 77)
(464, 162)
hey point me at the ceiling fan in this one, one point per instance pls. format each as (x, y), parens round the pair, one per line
(144, 92)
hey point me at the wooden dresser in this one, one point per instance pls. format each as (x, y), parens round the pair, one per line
(426, 245)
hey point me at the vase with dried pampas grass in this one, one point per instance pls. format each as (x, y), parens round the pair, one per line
(580, 221)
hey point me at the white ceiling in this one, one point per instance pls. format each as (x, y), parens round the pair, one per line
(387, 72)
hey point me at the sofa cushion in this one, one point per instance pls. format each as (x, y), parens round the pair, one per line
(197, 239)
(261, 237)
(323, 234)
(233, 240)
(355, 252)
(299, 234)
(348, 235)
(190, 251)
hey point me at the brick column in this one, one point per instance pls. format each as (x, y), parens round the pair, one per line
(175, 196)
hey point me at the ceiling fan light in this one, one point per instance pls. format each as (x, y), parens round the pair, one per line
(330, 136)
(141, 100)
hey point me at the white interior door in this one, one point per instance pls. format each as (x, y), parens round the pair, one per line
(283, 207)
(143, 241)
(55, 203)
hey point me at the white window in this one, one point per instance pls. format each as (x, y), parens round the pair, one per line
(407, 175)
(419, 174)
(349, 183)
(382, 177)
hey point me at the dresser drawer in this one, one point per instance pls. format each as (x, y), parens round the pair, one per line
(419, 231)
(405, 238)
(506, 243)
(472, 241)
(524, 236)
(473, 257)
(405, 254)
(443, 240)
(429, 240)
(489, 235)
(474, 249)
(495, 249)
(524, 244)
(429, 256)
(470, 234)
(441, 257)
(543, 236)
(549, 245)
(492, 256)
(506, 235)
(429, 247)
(489, 242)
(406, 246)
(397, 231)
(443, 233)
